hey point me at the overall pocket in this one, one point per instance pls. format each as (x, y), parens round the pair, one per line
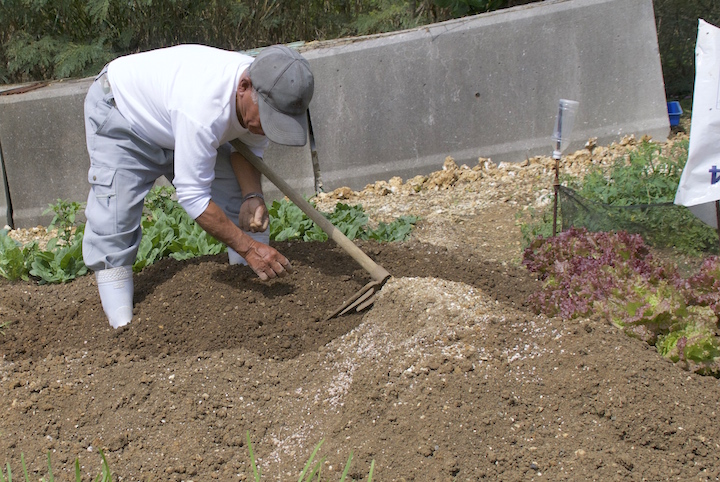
(101, 210)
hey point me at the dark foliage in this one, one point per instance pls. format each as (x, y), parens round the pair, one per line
(42, 40)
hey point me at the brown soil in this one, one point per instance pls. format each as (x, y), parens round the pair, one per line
(449, 376)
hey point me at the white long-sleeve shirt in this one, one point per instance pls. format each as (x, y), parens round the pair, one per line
(183, 98)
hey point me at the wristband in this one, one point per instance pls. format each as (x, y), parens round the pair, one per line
(252, 195)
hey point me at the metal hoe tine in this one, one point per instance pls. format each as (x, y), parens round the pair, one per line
(360, 300)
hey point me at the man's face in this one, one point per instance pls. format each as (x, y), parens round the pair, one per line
(247, 108)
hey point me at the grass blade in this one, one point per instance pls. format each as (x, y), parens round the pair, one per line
(256, 472)
(310, 461)
(50, 474)
(315, 474)
(347, 468)
(24, 467)
(106, 472)
(372, 469)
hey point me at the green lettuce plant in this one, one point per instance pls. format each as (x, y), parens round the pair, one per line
(645, 309)
(694, 345)
(168, 231)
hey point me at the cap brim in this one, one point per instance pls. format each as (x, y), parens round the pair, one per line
(288, 130)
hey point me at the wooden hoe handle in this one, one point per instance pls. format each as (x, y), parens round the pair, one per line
(377, 272)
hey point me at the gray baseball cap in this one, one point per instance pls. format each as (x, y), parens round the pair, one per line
(285, 85)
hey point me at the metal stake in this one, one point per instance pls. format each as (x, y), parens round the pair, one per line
(556, 187)
(717, 218)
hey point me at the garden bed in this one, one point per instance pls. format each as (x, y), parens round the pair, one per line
(450, 376)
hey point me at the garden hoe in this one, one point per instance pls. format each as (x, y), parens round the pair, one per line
(367, 294)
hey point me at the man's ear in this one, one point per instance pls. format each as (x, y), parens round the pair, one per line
(245, 84)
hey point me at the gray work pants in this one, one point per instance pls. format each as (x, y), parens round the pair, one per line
(123, 169)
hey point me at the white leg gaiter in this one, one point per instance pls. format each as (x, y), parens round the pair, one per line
(115, 286)
(235, 258)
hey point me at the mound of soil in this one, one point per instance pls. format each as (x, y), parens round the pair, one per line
(449, 376)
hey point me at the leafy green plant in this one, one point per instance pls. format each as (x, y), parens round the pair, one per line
(535, 223)
(13, 258)
(169, 231)
(65, 218)
(634, 194)
(694, 344)
(104, 476)
(159, 198)
(350, 220)
(648, 177)
(397, 230)
(288, 222)
(60, 262)
(645, 308)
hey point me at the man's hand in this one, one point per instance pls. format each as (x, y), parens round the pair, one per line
(266, 261)
(254, 215)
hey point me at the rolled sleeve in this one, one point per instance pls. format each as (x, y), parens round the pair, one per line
(195, 155)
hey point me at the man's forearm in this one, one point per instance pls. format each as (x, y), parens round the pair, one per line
(247, 176)
(214, 221)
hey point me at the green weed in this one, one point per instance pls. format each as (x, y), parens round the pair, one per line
(104, 476)
(3, 326)
(313, 468)
(65, 218)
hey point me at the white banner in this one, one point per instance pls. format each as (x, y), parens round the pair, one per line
(699, 186)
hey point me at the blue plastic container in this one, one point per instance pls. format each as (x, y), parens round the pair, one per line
(674, 112)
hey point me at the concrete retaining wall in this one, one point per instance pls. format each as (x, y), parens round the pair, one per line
(42, 136)
(485, 86)
(398, 104)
